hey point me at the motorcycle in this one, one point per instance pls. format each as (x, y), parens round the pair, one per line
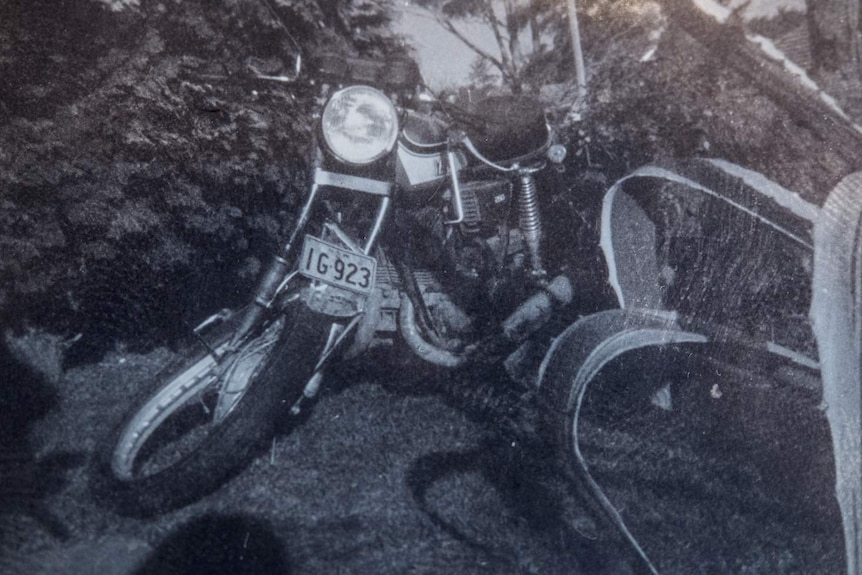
(421, 232)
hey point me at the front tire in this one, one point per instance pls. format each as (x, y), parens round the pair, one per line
(158, 459)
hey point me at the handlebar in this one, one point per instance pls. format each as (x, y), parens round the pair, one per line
(393, 74)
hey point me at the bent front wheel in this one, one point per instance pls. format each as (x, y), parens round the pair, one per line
(207, 419)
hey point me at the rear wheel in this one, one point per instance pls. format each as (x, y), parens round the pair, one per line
(207, 419)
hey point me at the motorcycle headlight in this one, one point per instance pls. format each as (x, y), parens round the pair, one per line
(360, 125)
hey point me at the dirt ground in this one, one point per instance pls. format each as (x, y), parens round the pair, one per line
(377, 480)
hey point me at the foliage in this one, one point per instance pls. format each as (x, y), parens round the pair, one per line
(526, 32)
(146, 173)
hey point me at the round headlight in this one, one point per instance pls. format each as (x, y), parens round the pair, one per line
(360, 125)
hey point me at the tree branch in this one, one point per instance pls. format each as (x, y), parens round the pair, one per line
(467, 42)
(513, 28)
(507, 68)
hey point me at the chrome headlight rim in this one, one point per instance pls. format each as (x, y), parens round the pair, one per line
(336, 137)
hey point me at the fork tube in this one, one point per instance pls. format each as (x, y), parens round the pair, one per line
(382, 212)
(457, 202)
(275, 273)
(301, 221)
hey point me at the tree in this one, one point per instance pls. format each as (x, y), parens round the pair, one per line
(361, 26)
(147, 150)
(523, 32)
(833, 26)
(834, 29)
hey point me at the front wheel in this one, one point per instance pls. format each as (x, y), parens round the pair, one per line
(207, 419)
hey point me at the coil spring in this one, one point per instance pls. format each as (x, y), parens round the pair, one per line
(529, 219)
(528, 206)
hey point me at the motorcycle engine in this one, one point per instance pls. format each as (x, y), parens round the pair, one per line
(486, 206)
(475, 260)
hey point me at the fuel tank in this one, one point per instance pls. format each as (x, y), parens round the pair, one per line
(422, 152)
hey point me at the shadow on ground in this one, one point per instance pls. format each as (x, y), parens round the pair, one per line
(233, 544)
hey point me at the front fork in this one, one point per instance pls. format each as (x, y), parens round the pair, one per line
(272, 281)
(278, 274)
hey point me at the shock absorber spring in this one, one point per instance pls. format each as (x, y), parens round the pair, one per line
(529, 219)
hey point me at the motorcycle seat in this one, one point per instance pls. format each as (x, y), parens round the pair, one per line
(505, 128)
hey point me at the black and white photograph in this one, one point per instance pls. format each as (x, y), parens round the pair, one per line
(517, 287)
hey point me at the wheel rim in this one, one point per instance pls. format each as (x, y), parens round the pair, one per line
(174, 422)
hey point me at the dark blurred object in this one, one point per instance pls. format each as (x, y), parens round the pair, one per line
(25, 481)
(219, 544)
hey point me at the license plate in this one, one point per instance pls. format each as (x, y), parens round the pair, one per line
(336, 266)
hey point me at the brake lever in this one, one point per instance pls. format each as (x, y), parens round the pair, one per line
(297, 71)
